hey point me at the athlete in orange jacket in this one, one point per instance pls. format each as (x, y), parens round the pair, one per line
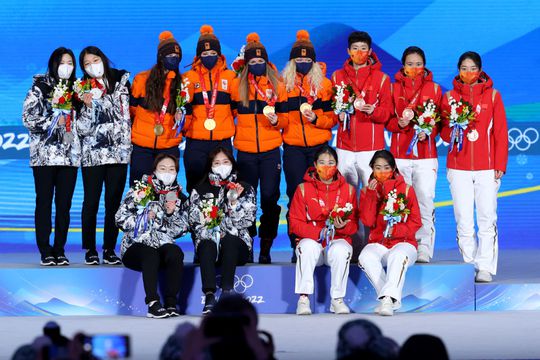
(153, 107)
(261, 102)
(210, 114)
(311, 117)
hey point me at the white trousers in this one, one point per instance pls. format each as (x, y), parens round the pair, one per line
(397, 260)
(470, 189)
(421, 174)
(354, 166)
(310, 253)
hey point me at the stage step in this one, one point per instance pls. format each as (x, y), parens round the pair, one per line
(82, 290)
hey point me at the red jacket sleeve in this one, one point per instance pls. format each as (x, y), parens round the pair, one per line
(409, 228)
(446, 132)
(352, 225)
(298, 222)
(385, 107)
(368, 207)
(500, 132)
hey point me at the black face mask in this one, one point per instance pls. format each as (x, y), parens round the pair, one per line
(171, 62)
(304, 68)
(209, 61)
(257, 69)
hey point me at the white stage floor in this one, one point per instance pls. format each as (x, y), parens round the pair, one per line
(502, 335)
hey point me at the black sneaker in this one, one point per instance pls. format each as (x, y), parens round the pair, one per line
(47, 260)
(209, 302)
(110, 258)
(62, 260)
(156, 311)
(91, 258)
(172, 311)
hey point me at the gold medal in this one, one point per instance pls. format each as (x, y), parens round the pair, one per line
(269, 110)
(158, 129)
(408, 114)
(209, 124)
(358, 103)
(473, 135)
(305, 107)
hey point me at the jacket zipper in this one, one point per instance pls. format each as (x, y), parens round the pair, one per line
(472, 143)
(353, 130)
(210, 77)
(256, 125)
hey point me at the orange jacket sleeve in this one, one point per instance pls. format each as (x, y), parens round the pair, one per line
(326, 118)
(282, 109)
(136, 95)
(409, 228)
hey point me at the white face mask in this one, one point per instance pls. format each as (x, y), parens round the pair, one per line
(64, 71)
(166, 178)
(222, 170)
(95, 70)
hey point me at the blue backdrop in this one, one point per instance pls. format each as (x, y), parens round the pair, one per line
(505, 33)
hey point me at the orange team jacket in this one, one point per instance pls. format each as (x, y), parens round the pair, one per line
(254, 132)
(371, 205)
(366, 132)
(404, 90)
(490, 151)
(196, 113)
(314, 200)
(300, 131)
(142, 130)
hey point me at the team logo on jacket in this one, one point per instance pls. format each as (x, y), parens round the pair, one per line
(268, 93)
(197, 85)
(224, 84)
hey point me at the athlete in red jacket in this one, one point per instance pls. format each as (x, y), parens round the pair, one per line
(414, 133)
(323, 215)
(476, 162)
(389, 207)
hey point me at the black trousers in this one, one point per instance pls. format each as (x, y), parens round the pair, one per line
(58, 182)
(150, 261)
(263, 168)
(195, 158)
(114, 178)
(233, 252)
(143, 158)
(296, 160)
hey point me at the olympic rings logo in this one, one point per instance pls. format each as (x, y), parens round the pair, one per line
(522, 140)
(241, 284)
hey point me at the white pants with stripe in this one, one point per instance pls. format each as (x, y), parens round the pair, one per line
(354, 166)
(397, 260)
(310, 254)
(421, 174)
(478, 189)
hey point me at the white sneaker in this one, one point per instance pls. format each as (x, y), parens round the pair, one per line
(303, 307)
(386, 307)
(483, 276)
(423, 257)
(337, 306)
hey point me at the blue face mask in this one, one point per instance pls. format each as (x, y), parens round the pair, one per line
(257, 69)
(304, 68)
(209, 61)
(171, 62)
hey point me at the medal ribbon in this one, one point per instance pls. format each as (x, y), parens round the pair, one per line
(210, 106)
(270, 101)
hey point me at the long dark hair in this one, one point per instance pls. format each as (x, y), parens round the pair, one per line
(212, 155)
(326, 149)
(413, 50)
(474, 56)
(107, 72)
(54, 62)
(155, 85)
(385, 155)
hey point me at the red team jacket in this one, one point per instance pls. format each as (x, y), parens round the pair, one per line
(490, 151)
(307, 215)
(371, 204)
(367, 131)
(404, 89)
